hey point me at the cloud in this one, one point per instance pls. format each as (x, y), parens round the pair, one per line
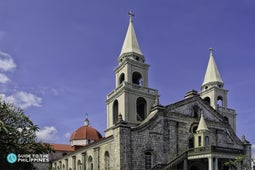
(48, 133)
(67, 135)
(23, 99)
(6, 62)
(3, 78)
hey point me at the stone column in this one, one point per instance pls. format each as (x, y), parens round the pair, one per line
(216, 164)
(210, 163)
(185, 164)
(84, 158)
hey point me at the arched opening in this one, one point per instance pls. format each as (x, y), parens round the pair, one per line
(121, 78)
(137, 78)
(90, 163)
(199, 141)
(148, 160)
(207, 100)
(194, 129)
(206, 140)
(79, 165)
(107, 160)
(225, 119)
(220, 101)
(115, 111)
(141, 108)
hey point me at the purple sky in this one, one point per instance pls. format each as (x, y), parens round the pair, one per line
(57, 57)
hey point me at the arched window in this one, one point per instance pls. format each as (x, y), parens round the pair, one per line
(107, 160)
(122, 78)
(90, 163)
(225, 119)
(207, 100)
(137, 78)
(141, 108)
(148, 160)
(79, 165)
(220, 101)
(199, 141)
(115, 111)
(206, 140)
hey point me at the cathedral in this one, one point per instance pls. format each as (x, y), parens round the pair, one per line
(195, 133)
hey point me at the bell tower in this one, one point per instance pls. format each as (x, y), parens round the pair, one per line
(132, 98)
(214, 94)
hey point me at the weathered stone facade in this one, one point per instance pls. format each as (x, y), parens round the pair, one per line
(141, 134)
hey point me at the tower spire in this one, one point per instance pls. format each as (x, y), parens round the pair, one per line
(212, 74)
(202, 126)
(130, 43)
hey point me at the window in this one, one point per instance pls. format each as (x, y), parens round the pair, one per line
(199, 141)
(90, 163)
(137, 78)
(148, 160)
(107, 160)
(122, 78)
(115, 111)
(225, 119)
(207, 141)
(79, 165)
(207, 100)
(141, 108)
(194, 129)
(220, 101)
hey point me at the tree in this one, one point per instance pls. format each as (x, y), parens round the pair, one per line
(18, 135)
(239, 162)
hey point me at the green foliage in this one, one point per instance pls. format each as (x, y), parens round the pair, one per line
(17, 135)
(238, 162)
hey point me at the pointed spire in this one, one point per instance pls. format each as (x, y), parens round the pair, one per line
(202, 126)
(130, 43)
(212, 73)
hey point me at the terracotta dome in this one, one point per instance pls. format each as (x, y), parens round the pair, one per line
(86, 132)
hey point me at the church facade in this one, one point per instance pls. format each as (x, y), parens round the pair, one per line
(196, 133)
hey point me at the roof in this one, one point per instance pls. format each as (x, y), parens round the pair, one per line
(62, 147)
(202, 126)
(86, 132)
(130, 43)
(212, 73)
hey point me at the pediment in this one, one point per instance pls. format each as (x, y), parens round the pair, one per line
(194, 107)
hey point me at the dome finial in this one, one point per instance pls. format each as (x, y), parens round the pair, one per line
(86, 121)
(131, 14)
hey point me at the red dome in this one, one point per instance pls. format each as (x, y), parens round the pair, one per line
(86, 132)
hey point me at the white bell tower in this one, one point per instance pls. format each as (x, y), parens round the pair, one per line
(213, 93)
(132, 98)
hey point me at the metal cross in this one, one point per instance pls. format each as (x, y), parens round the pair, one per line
(131, 14)
(211, 51)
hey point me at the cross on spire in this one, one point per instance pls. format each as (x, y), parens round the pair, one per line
(211, 51)
(131, 14)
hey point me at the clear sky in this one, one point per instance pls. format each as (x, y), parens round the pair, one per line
(57, 57)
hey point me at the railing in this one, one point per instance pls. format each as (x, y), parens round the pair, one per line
(133, 86)
(224, 109)
(209, 149)
(177, 159)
